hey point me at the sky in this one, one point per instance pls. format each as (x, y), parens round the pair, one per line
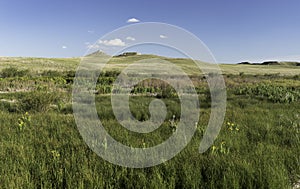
(233, 30)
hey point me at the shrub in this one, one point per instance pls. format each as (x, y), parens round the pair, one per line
(52, 73)
(38, 101)
(168, 92)
(276, 94)
(65, 108)
(8, 106)
(13, 72)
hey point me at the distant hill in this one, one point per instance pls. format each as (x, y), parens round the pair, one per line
(96, 53)
(290, 63)
(273, 63)
(125, 54)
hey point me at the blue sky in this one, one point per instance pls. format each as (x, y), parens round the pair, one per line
(234, 30)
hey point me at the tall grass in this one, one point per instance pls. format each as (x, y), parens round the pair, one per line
(49, 152)
(258, 145)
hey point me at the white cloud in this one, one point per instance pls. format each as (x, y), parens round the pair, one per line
(163, 36)
(91, 31)
(133, 20)
(130, 38)
(113, 42)
(64, 47)
(91, 46)
(95, 46)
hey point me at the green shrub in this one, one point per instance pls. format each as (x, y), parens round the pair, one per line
(52, 73)
(276, 94)
(168, 92)
(13, 72)
(38, 101)
(65, 108)
(8, 106)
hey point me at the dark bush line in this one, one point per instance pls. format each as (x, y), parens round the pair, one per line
(276, 94)
(13, 72)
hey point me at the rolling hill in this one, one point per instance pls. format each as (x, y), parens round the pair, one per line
(120, 62)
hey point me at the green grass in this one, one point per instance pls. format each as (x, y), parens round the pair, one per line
(260, 69)
(258, 145)
(49, 152)
(40, 64)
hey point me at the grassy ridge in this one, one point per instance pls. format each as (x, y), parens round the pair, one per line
(118, 63)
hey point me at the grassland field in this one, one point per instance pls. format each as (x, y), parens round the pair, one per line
(41, 147)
